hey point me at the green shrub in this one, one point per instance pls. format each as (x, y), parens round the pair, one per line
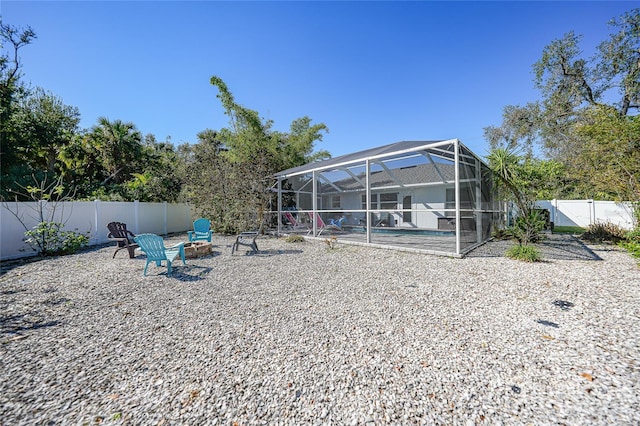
(48, 239)
(604, 231)
(525, 253)
(632, 242)
(526, 228)
(502, 234)
(293, 238)
(633, 236)
(632, 247)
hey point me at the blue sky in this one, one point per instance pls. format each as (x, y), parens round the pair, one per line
(373, 72)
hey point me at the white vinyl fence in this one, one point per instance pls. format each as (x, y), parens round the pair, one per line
(586, 212)
(89, 218)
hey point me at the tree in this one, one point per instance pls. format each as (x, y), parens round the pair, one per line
(580, 128)
(10, 67)
(44, 126)
(570, 83)
(297, 147)
(585, 119)
(234, 187)
(249, 139)
(119, 145)
(524, 180)
(519, 129)
(220, 191)
(48, 237)
(10, 91)
(610, 159)
(161, 177)
(41, 126)
(81, 166)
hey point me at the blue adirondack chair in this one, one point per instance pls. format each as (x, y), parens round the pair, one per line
(337, 222)
(201, 230)
(153, 246)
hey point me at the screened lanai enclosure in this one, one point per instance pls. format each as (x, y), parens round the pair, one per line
(427, 196)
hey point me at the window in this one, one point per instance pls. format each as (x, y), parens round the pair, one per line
(335, 202)
(407, 205)
(388, 201)
(466, 200)
(374, 201)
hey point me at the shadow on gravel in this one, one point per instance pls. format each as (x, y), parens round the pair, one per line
(8, 265)
(14, 324)
(268, 253)
(10, 292)
(191, 273)
(566, 247)
(563, 304)
(548, 323)
(553, 247)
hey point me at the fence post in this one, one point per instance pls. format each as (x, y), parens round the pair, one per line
(136, 214)
(96, 217)
(164, 205)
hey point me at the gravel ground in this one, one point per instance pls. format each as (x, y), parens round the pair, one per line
(304, 334)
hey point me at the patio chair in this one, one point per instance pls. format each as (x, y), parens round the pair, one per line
(201, 230)
(338, 222)
(293, 222)
(153, 246)
(247, 239)
(322, 226)
(119, 233)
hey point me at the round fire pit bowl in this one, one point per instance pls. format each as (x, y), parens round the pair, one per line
(197, 249)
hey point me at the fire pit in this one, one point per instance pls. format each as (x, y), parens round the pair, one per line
(197, 249)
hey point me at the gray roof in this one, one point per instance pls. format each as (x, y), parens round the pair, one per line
(391, 149)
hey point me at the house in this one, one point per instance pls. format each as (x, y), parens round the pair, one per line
(426, 196)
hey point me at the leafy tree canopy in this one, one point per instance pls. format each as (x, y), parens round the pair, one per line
(234, 187)
(586, 118)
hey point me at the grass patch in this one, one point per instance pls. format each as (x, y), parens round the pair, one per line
(525, 253)
(632, 247)
(293, 238)
(568, 230)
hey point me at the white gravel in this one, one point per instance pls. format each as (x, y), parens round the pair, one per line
(304, 334)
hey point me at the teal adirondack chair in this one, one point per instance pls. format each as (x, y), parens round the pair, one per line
(153, 246)
(201, 230)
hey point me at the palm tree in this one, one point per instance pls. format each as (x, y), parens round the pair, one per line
(120, 147)
(514, 180)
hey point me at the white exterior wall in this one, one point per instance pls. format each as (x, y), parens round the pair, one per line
(426, 199)
(423, 199)
(91, 218)
(352, 201)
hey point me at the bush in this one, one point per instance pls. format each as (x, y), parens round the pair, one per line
(632, 242)
(604, 231)
(633, 236)
(525, 253)
(632, 247)
(47, 239)
(526, 228)
(293, 238)
(502, 234)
